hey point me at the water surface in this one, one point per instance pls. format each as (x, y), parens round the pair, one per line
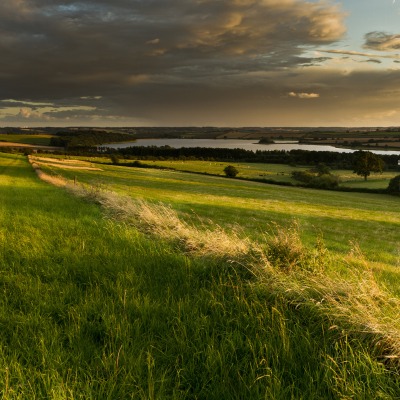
(238, 144)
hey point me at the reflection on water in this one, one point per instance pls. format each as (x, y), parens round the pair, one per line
(237, 144)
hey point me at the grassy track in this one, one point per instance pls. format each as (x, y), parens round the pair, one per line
(93, 309)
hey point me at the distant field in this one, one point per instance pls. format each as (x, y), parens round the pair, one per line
(39, 140)
(371, 220)
(276, 172)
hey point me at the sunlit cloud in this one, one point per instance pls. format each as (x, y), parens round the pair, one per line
(41, 111)
(304, 95)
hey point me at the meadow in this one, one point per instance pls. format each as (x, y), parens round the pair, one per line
(194, 292)
(275, 172)
(37, 139)
(253, 208)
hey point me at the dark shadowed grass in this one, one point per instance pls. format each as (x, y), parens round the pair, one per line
(94, 309)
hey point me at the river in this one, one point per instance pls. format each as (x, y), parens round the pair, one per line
(238, 144)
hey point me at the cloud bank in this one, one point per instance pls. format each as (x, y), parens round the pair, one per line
(181, 62)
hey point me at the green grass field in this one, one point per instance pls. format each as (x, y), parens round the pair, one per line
(340, 217)
(39, 140)
(95, 307)
(276, 172)
(270, 172)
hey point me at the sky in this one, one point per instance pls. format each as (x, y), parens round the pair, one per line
(227, 63)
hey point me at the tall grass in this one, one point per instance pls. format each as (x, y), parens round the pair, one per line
(372, 221)
(92, 308)
(360, 301)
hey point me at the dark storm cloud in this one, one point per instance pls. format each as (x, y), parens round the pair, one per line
(114, 55)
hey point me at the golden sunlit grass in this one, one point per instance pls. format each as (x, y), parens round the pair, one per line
(356, 302)
(97, 302)
(370, 219)
(157, 219)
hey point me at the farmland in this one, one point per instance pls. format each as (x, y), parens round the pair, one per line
(35, 140)
(273, 172)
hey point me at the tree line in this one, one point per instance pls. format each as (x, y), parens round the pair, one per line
(292, 157)
(86, 140)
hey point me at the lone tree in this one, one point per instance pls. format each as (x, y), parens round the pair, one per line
(230, 171)
(367, 162)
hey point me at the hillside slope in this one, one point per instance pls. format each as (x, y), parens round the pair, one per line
(96, 307)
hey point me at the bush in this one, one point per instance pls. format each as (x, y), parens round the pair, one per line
(394, 185)
(321, 169)
(310, 179)
(303, 176)
(231, 171)
(115, 158)
(326, 181)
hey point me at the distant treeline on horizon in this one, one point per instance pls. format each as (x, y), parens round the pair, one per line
(301, 157)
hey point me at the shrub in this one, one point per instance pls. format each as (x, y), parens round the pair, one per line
(321, 169)
(303, 176)
(394, 185)
(320, 181)
(231, 171)
(115, 158)
(325, 181)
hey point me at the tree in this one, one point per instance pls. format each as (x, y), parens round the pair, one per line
(230, 171)
(321, 169)
(367, 162)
